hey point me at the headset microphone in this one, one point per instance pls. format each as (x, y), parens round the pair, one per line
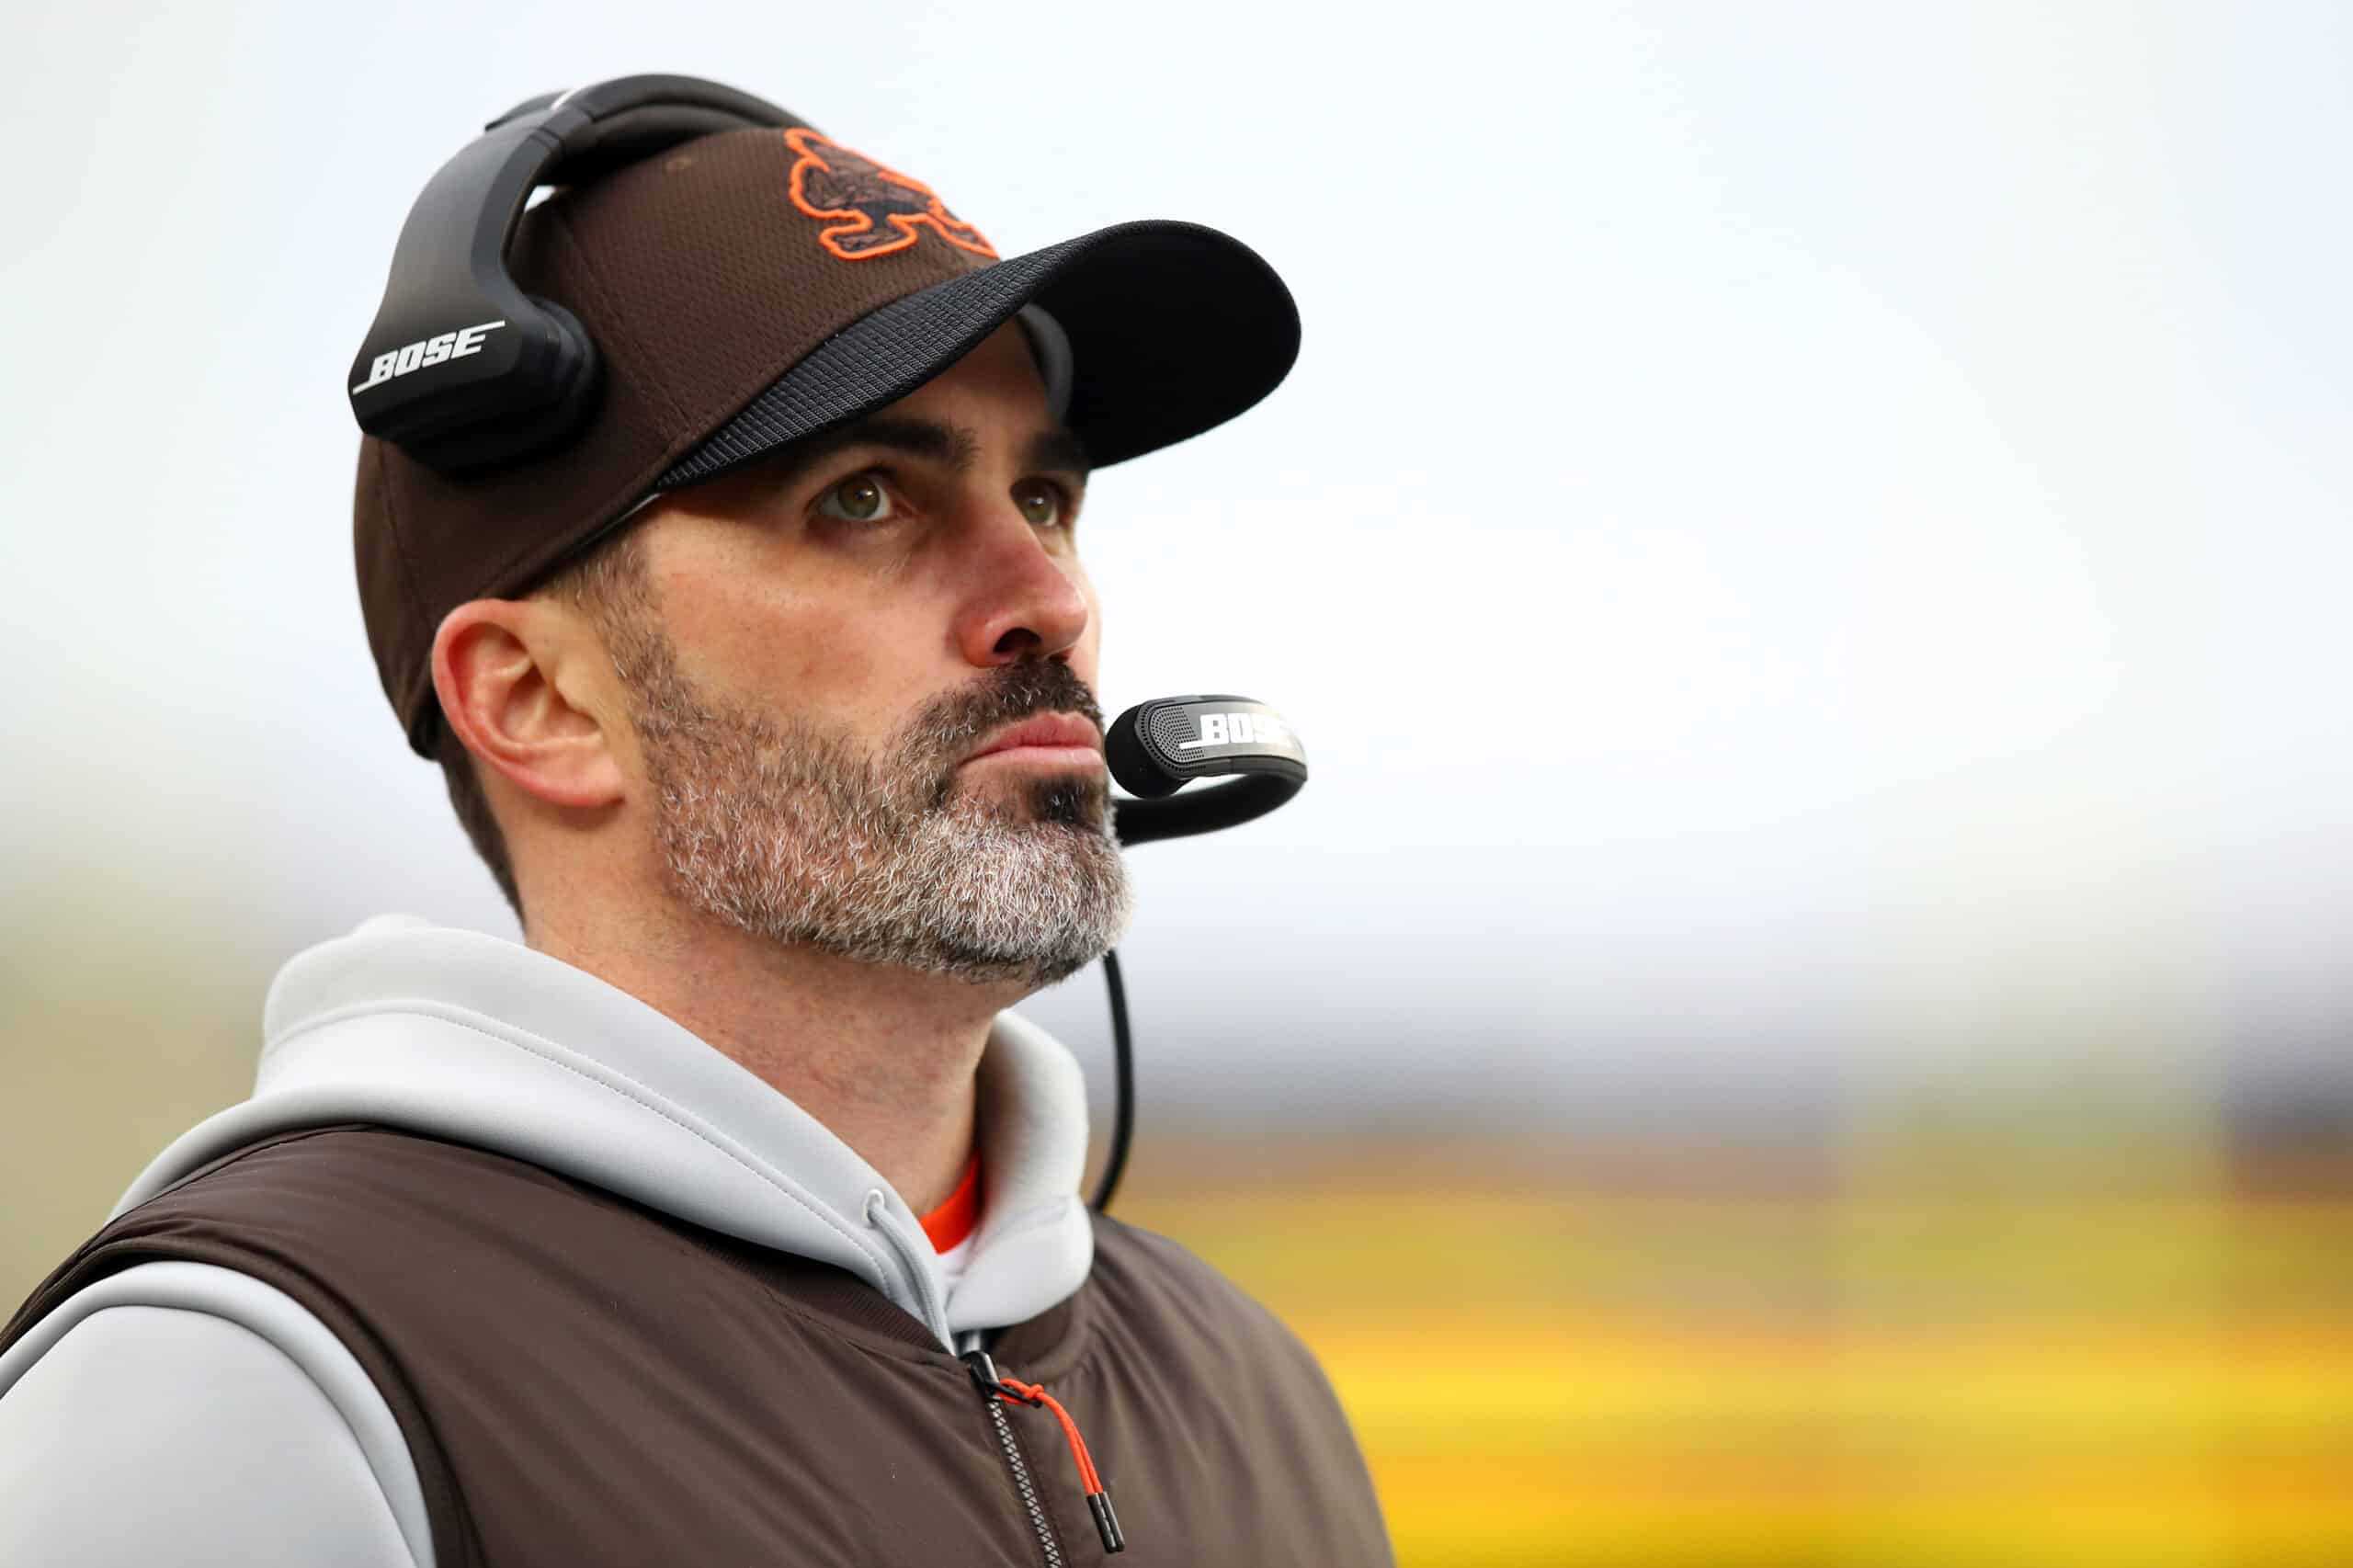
(1156, 749)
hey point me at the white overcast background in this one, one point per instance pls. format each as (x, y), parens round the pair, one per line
(1808, 543)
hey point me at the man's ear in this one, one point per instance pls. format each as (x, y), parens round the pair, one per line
(502, 669)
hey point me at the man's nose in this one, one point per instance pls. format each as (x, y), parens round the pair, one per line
(1028, 603)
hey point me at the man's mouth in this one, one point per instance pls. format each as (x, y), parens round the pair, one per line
(1048, 740)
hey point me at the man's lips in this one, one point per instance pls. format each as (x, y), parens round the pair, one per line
(1062, 740)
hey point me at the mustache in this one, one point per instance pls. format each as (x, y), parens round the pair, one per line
(1007, 696)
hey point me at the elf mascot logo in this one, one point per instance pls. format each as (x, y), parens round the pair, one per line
(871, 211)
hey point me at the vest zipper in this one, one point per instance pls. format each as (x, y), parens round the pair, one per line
(981, 1367)
(996, 1393)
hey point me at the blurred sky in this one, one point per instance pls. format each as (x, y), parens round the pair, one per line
(1808, 543)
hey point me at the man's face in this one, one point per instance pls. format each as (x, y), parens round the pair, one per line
(822, 645)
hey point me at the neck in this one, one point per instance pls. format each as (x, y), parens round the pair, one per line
(885, 1058)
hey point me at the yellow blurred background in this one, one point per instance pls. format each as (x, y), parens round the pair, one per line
(1747, 1367)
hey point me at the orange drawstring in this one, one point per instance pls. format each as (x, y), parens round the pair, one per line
(1032, 1394)
(1098, 1496)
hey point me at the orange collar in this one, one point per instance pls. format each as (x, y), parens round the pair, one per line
(952, 1222)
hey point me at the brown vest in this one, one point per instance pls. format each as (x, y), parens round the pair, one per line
(583, 1379)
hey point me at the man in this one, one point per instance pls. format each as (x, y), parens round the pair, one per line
(730, 1218)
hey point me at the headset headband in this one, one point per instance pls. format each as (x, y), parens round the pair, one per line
(463, 369)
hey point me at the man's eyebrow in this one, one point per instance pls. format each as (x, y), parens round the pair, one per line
(1058, 450)
(929, 438)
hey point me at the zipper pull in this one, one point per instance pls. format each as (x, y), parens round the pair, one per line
(1014, 1391)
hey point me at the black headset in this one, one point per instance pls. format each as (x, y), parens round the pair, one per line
(519, 379)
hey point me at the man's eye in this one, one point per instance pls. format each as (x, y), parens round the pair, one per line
(858, 499)
(1039, 502)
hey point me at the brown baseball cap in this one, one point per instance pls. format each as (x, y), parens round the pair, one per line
(747, 288)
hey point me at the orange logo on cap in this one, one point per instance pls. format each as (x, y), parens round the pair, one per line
(878, 209)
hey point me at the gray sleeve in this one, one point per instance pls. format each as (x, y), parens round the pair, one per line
(148, 1434)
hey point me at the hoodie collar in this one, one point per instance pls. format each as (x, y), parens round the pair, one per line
(481, 1041)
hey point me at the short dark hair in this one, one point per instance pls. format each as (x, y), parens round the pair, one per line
(597, 581)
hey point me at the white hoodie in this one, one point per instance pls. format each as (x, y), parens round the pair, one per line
(189, 1414)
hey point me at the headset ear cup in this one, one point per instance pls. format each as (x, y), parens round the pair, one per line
(481, 427)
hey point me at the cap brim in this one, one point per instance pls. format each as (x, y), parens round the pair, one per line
(1174, 328)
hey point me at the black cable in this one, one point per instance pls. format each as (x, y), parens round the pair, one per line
(1123, 1120)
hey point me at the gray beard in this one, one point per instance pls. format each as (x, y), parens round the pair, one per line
(791, 832)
